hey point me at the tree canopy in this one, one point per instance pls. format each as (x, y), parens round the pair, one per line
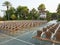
(58, 9)
(41, 7)
(23, 12)
(7, 4)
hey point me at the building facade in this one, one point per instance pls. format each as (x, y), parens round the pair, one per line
(42, 14)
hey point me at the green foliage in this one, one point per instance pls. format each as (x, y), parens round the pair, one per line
(48, 18)
(58, 9)
(58, 18)
(34, 14)
(13, 17)
(41, 7)
(58, 12)
(54, 16)
(22, 12)
(10, 12)
(1, 19)
(7, 4)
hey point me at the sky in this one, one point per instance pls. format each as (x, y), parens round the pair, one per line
(50, 5)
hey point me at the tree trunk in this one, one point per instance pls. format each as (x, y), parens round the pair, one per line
(7, 12)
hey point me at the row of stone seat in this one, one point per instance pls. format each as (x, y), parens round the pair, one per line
(13, 27)
(44, 30)
(53, 33)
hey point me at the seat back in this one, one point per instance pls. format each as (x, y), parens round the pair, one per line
(48, 34)
(44, 29)
(57, 35)
(39, 33)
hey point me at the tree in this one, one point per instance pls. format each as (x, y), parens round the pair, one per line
(42, 12)
(7, 4)
(25, 12)
(54, 16)
(11, 11)
(58, 12)
(13, 17)
(1, 18)
(34, 14)
(58, 9)
(48, 17)
(41, 7)
(18, 12)
(22, 12)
